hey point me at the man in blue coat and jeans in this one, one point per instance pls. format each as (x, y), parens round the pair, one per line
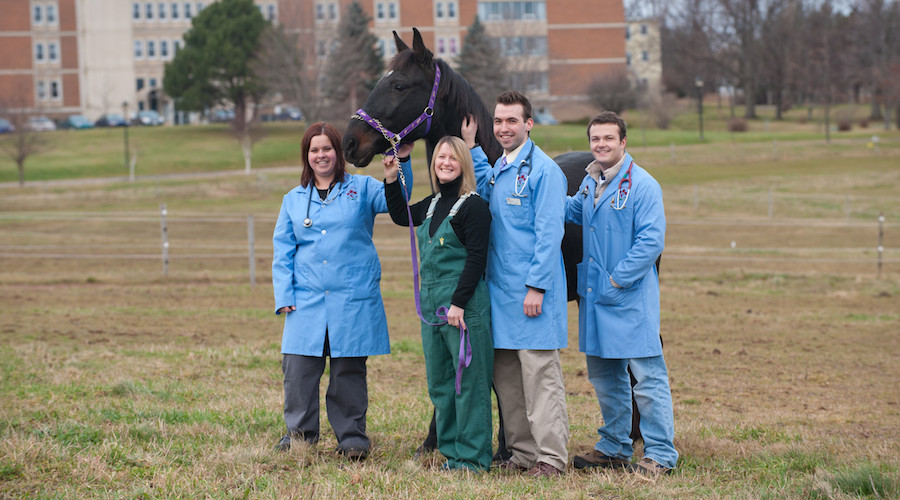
(620, 208)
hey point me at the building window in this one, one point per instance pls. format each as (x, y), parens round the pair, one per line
(628, 58)
(136, 11)
(174, 10)
(139, 84)
(628, 32)
(38, 15)
(453, 45)
(441, 49)
(51, 14)
(645, 56)
(529, 81)
(523, 46)
(52, 53)
(148, 8)
(138, 49)
(439, 10)
(332, 11)
(151, 49)
(163, 49)
(392, 10)
(272, 12)
(41, 90)
(176, 46)
(512, 11)
(451, 10)
(54, 90)
(39, 52)
(320, 12)
(320, 49)
(153, 83)
(162, 10)
(379, 11)
(199, 7)
(643, 29)
(187, 10)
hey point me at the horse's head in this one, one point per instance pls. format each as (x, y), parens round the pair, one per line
(399, 98)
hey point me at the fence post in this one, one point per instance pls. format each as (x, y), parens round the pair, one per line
(164, 228)
(250, 250)
(880, 241)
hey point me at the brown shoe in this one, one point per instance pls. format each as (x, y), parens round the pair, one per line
(650, 469)
(510, 466)
(596, 459)
(543, 469)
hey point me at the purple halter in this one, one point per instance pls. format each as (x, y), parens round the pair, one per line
(426, 115)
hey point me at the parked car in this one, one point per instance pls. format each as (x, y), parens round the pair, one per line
(149, 118)
(289, 113)
(221, 115)
(41, 124)
(110, 120)
(545, 118)
(77, 122)
(5, 126)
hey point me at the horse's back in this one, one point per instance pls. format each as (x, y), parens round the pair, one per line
(572, 165)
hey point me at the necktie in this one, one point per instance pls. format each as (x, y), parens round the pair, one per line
(502, 162)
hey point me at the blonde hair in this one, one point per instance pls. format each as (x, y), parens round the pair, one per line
(463, 156)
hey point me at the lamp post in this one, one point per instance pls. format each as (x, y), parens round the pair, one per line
(127, 163)
(698, 82)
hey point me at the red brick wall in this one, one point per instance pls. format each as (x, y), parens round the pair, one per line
(71, 90)
(17, 53)
(69, 51)
(67, 16)
(16, 15)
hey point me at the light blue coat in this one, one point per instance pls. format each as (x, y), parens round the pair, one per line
(526, 233)
(330, 271)
(619, 323)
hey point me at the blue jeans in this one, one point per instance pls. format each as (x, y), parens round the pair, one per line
(654, 401)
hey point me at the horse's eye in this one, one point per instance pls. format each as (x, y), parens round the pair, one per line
(399, 87)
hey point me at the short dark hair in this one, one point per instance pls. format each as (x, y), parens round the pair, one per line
(510, 97)
(333, 135)
(608, 117)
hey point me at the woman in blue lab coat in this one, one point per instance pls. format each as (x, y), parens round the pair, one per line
(325, 275)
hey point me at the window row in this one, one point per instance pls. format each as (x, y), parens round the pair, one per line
(327, 11)
(148, 49)
(645, 56)
(148, 11)
(44, 14)
(512, 11)
(445, 10)
(48, 90)
(529, 81)
(386, 11)
(45, 52)
(139, 83)
(447, 46)
(523, 45)
(643, 29)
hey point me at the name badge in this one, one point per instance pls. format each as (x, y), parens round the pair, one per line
(513, 201)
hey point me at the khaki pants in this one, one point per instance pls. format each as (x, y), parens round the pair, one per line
(532, 398)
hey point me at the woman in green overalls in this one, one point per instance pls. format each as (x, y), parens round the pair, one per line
(453, 232)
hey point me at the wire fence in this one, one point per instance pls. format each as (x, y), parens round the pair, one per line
(214, 243)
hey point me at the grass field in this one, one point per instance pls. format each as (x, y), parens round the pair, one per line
(118, 382)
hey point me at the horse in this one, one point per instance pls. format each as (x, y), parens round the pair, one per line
(422, 97)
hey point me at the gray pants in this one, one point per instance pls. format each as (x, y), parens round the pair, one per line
(346, 400)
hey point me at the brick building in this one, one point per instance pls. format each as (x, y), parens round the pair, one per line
(63, 57)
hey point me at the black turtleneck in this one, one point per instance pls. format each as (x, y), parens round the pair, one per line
(471, 224)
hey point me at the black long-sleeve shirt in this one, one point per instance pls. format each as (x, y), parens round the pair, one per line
(471, 224)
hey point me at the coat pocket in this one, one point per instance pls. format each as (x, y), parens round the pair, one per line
(362, 281)
(611, 296)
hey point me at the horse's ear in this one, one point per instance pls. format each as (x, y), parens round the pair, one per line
(401, 45)
(423, 55)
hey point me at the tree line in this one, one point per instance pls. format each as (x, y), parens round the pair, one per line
(786, 53)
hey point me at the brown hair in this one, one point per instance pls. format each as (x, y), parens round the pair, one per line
(462, 154)
(510, 97)
(334, 136)
(608, 117)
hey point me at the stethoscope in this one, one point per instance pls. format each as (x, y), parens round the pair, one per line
(618, 203)
(307, 222)
(522, 180)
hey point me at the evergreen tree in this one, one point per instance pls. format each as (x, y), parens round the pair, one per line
(213, 68)
(356, 64)
(481, 63)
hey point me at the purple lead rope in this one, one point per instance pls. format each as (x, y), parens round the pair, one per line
(465, 344)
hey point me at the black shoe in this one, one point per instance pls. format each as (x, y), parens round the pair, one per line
(284, 444)
(354, 453)
(596, 459)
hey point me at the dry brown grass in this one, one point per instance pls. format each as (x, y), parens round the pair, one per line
(783, 353)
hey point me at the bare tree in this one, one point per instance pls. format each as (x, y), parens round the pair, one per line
(481, 63)
(280, 64)
(356, 63)
(876, 35)
(22, 142)
(613, 92)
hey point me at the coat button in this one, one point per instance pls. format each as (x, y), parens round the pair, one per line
(327, 292)
(324, 262)
(589, 290)
(323, 231)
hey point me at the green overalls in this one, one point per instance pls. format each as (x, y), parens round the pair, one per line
(463, 420)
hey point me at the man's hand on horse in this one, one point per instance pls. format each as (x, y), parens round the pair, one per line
(469, 130)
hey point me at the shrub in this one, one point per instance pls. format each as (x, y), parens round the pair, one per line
(843, 125)
(864, 123)
(613, 92)
(737, 125)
